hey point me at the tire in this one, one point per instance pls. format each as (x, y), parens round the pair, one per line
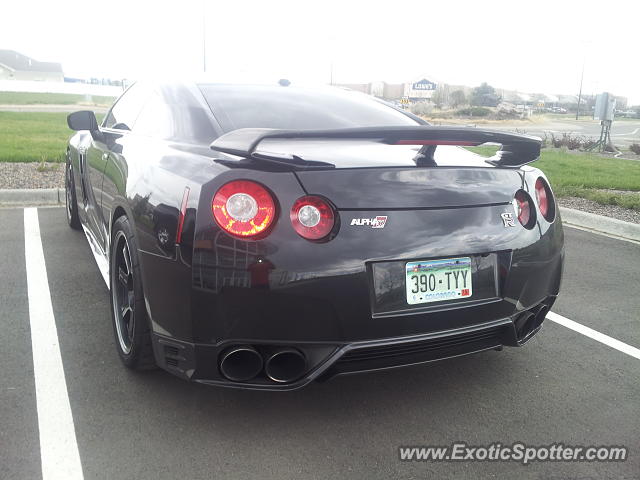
(70, 198)
(128, 312)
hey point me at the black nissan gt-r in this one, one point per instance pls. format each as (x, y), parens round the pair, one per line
(267, 236)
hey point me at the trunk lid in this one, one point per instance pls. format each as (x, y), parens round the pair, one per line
(461, 179)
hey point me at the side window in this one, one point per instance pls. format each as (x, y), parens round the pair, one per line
(174, 119)
(154, 119)
(124, 113)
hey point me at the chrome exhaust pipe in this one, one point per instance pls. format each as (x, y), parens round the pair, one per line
(285, 365)
(240, 364)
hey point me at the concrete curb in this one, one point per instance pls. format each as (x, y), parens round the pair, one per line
(31, 197)
(600, 224)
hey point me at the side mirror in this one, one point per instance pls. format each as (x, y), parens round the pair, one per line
(83, 120)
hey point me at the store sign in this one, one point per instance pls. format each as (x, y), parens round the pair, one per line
(424, 84)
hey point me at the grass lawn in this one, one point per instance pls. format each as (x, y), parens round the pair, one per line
(588, 175)
(30, 98)
(34, 136)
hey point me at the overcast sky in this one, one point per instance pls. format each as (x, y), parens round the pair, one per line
(535, 46)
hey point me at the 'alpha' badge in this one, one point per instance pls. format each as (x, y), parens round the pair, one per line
(376, 222)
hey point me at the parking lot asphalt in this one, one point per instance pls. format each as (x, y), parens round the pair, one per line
(562, 387)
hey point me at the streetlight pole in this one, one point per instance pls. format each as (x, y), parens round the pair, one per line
(580, 93)
(204, 36)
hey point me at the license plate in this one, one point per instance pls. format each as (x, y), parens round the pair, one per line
(438, 280)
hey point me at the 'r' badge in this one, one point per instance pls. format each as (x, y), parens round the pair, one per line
(507, 219)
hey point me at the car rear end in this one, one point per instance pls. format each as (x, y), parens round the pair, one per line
(324, 252)
(399, 265)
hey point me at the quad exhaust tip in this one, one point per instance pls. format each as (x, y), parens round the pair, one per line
(240, 364)
(530, 321)
(285, 365)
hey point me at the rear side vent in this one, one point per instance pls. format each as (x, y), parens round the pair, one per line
(172, 356)
(171, 350)
(172, 362)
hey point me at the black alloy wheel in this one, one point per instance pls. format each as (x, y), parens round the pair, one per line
(128, 311)
(70, 198)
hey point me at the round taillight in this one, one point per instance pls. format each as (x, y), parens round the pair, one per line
(243, 208)
(524, 209)
(312, 217)
(545, 199)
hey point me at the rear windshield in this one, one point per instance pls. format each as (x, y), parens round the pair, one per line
(237, 106)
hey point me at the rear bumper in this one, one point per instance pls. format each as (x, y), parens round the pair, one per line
(199, 362)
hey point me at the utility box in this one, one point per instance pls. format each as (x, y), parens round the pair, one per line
(605, 107)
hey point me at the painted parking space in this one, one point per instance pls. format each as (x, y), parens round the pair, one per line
(562, 387)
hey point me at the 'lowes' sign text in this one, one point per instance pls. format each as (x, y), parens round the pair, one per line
(424, 85)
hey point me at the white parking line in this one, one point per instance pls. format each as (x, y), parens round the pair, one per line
(594, 334)
(58, 446)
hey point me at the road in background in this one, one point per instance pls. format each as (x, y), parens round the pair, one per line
(561, 387)
(623, 132)
(52, 108)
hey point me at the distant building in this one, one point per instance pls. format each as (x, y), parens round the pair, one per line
(393, 91)
(15, 66)
(388, 91)
(419, 90)
(568, 99)
(356, 87)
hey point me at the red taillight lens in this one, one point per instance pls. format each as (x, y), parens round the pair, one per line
(524, 209)
(312, 217)
(541, 196)
(243, 208)
(545, 199)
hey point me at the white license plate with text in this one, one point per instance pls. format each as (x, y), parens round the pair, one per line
(438, 280)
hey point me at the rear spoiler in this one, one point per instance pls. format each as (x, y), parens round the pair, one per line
(516, 150)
